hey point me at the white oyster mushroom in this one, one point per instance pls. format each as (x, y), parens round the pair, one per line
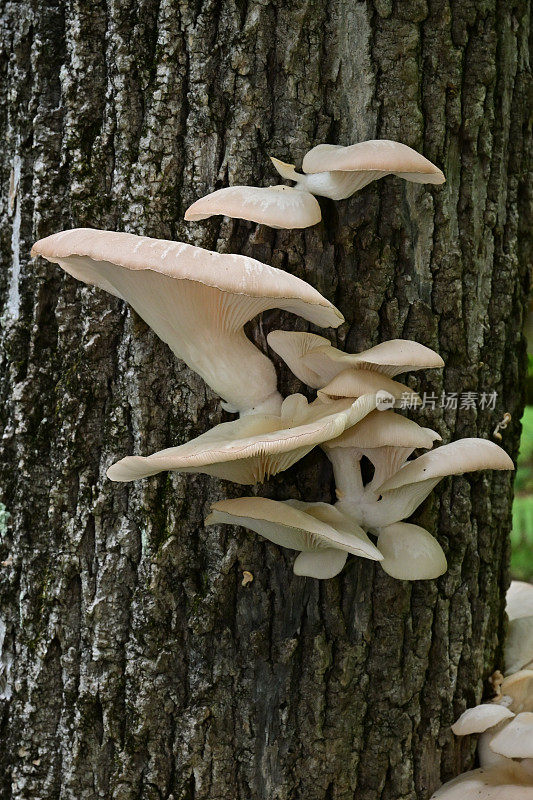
(321, 535)
(196, 301)
(251, 449)
(275, 206)
(500, 782)
(337, 172)
(315, 361)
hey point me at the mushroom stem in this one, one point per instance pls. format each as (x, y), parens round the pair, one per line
(347, 471)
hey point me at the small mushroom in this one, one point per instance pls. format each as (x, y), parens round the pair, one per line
(337, 172)
(408, 488)
(356, 382)
(516, 739)
(320, 533)
(386, 438)
(250, 449)
(196, 301)
(410, 553)
(316, 362)
(481, 718)
(507, 781)
(276, 206)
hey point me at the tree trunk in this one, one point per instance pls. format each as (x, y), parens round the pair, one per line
(134, 663)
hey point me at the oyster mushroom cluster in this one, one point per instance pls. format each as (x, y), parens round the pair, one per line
(505, 746)
(328, 170)
(198, 302)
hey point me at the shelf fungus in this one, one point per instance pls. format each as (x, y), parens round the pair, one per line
(251, 449)
(275, 206)
(315, 361)
(337, 172)
(196, 301)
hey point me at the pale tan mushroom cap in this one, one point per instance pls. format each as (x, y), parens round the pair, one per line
(316, 362)
(277, 206)
(515, 740)
(195, 300)
(480, 718)
(296, 526)
(519, 600)
(379, 155)
(356, 382)
(386, 429)
(456, 458)
(410, 553)
(505, 781)
(250, 449)
(518, 687)
(234, 274)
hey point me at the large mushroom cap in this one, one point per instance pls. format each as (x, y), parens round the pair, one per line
(481, 718)
(276, 206)
(501, 782)
(356, 382)
(316, 362)
(299, 526)
(515, 740)
(195, 300)
(410, 553)
(376, 155)
(250, 449)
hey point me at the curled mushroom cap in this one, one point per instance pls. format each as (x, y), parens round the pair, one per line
(196, 301)
(316, 362)
(250, 449)
(406, 489)
(356, 382)
(515, 740)
(481, 718)
(305, 527)
(410, 553)
(504, 781)
(337, 172)
(276, 206)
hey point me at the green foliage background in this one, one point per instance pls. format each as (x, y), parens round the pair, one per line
(522, 533)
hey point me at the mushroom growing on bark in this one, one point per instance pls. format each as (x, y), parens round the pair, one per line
(196, 301)
(251, 449)
(321, 534)
(315, 361)
(276, 206)
(519, 645)
(337, 172)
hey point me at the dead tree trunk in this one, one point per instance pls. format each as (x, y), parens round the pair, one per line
(134, 664)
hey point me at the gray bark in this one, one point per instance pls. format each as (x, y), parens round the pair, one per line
(134, 664)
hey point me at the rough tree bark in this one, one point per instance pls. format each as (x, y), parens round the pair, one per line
(134, 664)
